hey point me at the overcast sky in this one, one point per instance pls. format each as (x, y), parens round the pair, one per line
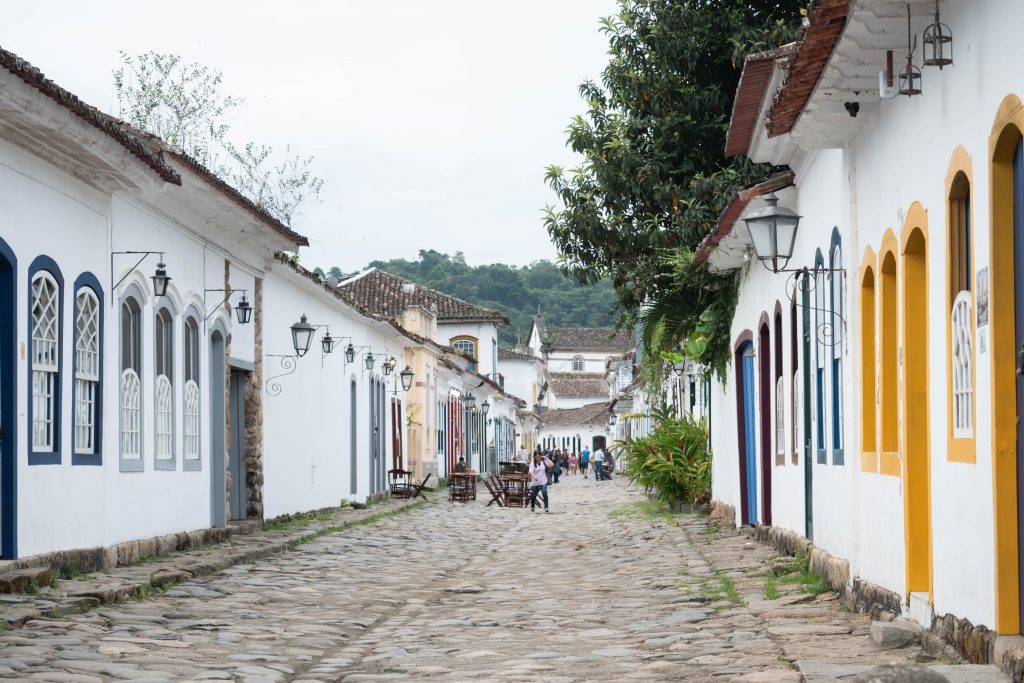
(431, 121)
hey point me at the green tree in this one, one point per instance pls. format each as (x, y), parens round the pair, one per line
(654, 178)
(182, 104)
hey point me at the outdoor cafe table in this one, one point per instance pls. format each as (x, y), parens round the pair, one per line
(462, 486)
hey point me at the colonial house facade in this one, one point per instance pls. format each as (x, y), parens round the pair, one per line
(876, 384)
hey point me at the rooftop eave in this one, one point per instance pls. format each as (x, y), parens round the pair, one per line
(730, 254)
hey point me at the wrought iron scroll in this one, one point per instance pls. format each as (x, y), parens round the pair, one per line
(806, 282)
(273, 387)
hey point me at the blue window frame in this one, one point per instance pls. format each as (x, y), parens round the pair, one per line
(835, 261)
(87, 372)
(45, 366)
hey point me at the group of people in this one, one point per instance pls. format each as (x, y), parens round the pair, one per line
(548, 466)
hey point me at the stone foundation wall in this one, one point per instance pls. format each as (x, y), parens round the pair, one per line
(723, 514)
(976, 644)
(254, 415)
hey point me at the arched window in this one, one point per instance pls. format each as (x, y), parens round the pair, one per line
(131, 384)
(88, 395)
(780, 391)
(868, 415)
(466, 346)
(577, 364)
(960, 304)
(45, 335)
(794, 364)
(888, 317)
(190, 359)
(835, 343)
(822, 355)
(163, 339)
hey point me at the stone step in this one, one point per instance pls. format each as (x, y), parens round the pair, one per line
(822, 672)
(25, 580)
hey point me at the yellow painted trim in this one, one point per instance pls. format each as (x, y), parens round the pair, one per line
(889, 464)
(962, 449)
(1006, 130)
(467, 337)
(888, 344)
(868, 365)
(915, 372)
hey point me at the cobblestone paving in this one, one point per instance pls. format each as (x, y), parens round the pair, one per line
(600, 590)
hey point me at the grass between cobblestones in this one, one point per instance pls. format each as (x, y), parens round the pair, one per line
(796, 571)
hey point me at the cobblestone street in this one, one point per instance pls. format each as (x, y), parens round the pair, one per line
(602, 589)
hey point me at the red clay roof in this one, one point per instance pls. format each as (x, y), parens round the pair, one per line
(827, 19)
(106, 123)
(512, 354)
(739, 202)
(387, 296)
(589, 339)
(592, 415)
(577, 384)
(746, 108)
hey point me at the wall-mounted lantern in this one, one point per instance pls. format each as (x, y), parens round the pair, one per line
(302, 336)
(243, 311)
(910, 75)
(938, 43)
(773, 233)
(389, 365)
(407, 376)
(369, 360)
(350, 353)
(160, 278)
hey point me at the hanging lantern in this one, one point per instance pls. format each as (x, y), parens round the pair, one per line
(389, 365)
(470, 401)
(160, 278)
(302, 336)
(910, 75)
(369, 360)
(485, 407)
(938, 43)
(350, 353)
(327, 343)
(773, 232)
(406, 376)
(243, 311)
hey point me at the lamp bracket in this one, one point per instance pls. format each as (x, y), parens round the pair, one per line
(272, 386)
(145, 255)
(228, 293)
(825, 332)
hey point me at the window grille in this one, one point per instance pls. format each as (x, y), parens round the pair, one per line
(87, 370)
(45, 355)
(963, 375)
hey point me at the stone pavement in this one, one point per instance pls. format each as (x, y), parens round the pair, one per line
(599, 590)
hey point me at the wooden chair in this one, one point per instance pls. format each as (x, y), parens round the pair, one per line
(496, 489)
(517, 492)
(458, 488)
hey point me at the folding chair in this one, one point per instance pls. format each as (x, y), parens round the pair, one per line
(398, 483)
(415, 489)
(497, 491)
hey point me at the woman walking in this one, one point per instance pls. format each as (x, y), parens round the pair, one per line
(573, 460)
(539, 481)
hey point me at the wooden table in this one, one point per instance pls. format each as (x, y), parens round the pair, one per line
(462, 487)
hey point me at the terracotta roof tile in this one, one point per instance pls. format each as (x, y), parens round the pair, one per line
(577, 384)
(388, 296)
(826, 21)
(739, 202)
(589, 339)
(592, 415)
(750, 92)
(509, 354)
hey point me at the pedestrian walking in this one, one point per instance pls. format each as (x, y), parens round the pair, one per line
(539, 480)
(585, 461)
(573, 464)
(556, 468)
(598, 463)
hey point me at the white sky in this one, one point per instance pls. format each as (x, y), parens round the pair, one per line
(431, 122)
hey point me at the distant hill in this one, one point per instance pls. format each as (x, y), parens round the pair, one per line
(519, 292)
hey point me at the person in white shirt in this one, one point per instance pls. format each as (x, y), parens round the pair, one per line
(521, 454)
(598, 460)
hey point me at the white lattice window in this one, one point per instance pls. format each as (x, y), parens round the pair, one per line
(164, 417)
(45, 360)
(780, 416)
(577, 364)
(191, 420)
(87, 369)
(963, 373)
(131, 416)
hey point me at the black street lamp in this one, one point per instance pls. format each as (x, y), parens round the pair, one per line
(369, 360)
(327, 342)
(302, 336)
(389, 365)
(350, 353)
(485, 406)
(406, 376)
(160, 279)
(773, 232)
(243, 311)
(470, 401)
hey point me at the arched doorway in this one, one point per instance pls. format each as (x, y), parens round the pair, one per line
(764, 388)
(218, 442)
(916, 434)
(8, 403)
(746, 429)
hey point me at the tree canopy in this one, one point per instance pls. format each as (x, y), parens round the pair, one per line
(519, 292)
(654, 177)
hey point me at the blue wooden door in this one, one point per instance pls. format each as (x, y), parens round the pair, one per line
(8, 421)
(749, 435)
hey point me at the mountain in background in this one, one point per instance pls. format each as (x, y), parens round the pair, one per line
(520, 293)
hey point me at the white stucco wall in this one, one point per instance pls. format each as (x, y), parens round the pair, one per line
(486, 334)
(523, 379)
(594, 362)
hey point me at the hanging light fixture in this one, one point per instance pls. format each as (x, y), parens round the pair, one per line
(937, 38)
(485, 407)
(350, 353)
(406, 376)
(773, 232)
(470, 401)
(389, 365)
(243, 311)
(160, 278)
(369, 361)
(910, 76)
(327, 343)
(302, 336)
(679, 367)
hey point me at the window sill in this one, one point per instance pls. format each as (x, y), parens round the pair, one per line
(88, 459)
(961, 450)
(890, 464)
(869, 462)
(43, 458)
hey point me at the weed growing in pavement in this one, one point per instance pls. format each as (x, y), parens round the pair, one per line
(730, 592)
(771, 586)
(798, 572)
(710, 530)
(297, 520)
(71, 569)
(343, 503)
(33, 586)
(650, 509)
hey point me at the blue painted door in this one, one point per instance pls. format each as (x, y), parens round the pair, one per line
(749, 435)
(8, 421)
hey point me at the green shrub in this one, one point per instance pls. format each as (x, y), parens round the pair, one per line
(673, 460)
